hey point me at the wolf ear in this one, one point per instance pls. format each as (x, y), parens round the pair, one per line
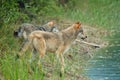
(51, 23)
(77, 25)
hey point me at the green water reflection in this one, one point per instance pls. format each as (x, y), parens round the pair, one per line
(106, 63)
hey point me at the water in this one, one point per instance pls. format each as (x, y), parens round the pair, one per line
(106, 63)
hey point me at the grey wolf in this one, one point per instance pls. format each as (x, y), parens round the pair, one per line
(57, 43)
(26, 28)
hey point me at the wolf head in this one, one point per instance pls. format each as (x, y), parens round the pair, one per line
(79, 30)
(24, 30)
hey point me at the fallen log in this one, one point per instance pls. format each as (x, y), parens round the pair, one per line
(92, 44)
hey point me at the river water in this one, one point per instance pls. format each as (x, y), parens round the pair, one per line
(105, 65)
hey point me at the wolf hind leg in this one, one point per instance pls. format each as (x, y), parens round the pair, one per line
(40, 46)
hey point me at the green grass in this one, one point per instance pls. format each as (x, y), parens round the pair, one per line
(100, 13)
(96, 13)
(18, 70)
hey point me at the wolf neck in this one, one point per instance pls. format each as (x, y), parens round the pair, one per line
(70, 33)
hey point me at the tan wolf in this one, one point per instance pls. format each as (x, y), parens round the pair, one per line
(56, 42)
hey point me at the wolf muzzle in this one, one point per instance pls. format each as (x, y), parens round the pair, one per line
(15, 33)
(83, 38)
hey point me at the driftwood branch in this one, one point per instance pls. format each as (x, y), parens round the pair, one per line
(92, 44)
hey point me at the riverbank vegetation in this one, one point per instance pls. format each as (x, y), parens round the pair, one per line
(99, 17)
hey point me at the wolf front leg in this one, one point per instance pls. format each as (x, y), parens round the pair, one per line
(23, 48)
(62, 63)
(60, 56)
